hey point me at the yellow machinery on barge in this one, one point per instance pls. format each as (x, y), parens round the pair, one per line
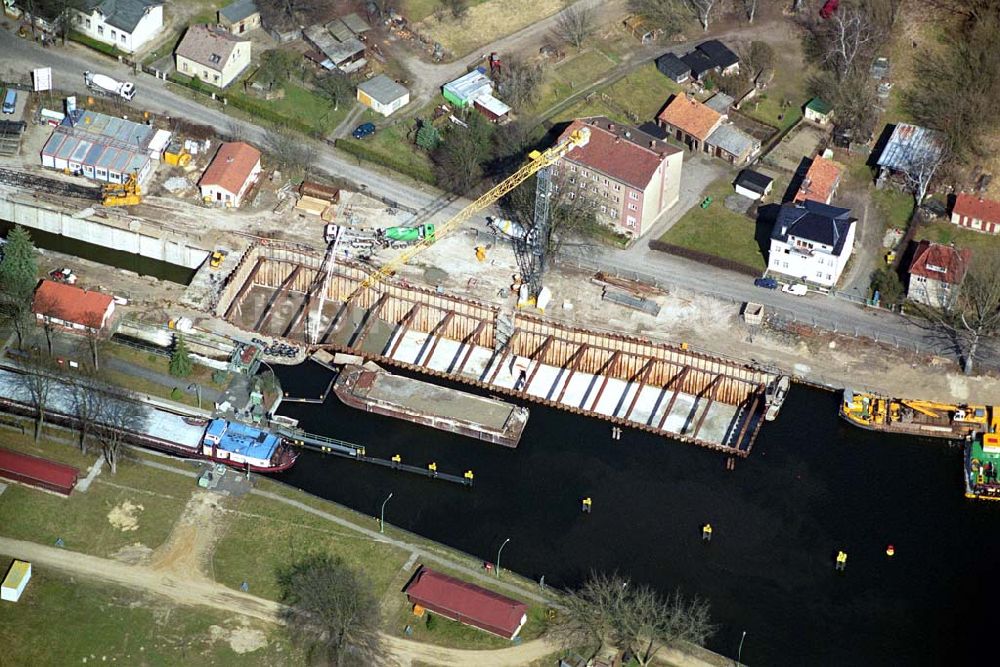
(925, 418)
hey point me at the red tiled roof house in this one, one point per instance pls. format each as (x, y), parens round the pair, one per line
(976, 213)
(936, 273)
(820, 182)
(630, 176)
(467, 603)
(232, 171)
(689, 121)
(72, 308)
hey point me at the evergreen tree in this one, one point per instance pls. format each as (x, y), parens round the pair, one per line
(428, 136)
(19, 268)
(180, 359)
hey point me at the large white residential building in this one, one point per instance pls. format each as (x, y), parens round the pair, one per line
(128, 25)
(812, 242)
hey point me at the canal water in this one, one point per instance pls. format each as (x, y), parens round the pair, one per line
(144, 266)
(812, 485)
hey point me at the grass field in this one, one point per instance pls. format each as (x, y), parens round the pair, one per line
(418, 10)
(392, 147)
(60, 620)
(895, 206)
(485, 22)
(445, 632)
(300, 105)
(83, 520)
(718, 231)
(643, 92)
(945, 232)
(263, 535)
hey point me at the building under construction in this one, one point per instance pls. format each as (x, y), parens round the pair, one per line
(664, 389)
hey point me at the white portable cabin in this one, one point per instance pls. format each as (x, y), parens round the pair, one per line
(16, 580)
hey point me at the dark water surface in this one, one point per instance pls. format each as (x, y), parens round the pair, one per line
(144, 266)
(812, 485)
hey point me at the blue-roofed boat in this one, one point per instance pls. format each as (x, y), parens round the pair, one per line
(243, 446)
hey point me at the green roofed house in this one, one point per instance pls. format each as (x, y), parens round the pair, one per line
(463, 91)
(818, 111)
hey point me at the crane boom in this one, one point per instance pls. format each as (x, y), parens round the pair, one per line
(536, 161)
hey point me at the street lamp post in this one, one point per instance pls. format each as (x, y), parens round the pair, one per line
(498, 555)
(197, 389)
(739, 651)
(381, 521)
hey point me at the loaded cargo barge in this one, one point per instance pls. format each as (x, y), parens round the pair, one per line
(233, 443)
(373, 389)
(913, 417)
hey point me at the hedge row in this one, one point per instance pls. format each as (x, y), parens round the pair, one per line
(703, 257)
(360, 150)
(107, 49)
(259, 110)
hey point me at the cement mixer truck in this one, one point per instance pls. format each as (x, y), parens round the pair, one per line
(105, 85)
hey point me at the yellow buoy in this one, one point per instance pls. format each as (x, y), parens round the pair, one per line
(890, 551)
(706, 532)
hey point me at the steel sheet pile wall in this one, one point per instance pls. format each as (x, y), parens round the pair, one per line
(625, 379)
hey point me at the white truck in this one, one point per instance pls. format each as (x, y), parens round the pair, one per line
(105, 84)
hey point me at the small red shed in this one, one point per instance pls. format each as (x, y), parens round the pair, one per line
(467, 603)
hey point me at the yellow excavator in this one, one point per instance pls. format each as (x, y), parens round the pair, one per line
(128, 193)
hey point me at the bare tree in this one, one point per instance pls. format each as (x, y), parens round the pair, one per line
(288, 150)
(517, 82)
(975, 318)
(337, 88)
(575, 24)
(703, 10)
(459, 159)
(88, 403)
(37, 382)
(120, 414)
(16, 313)
(611, 610)
(750, 7)
(331, 610)
(237, 130)
(846, 37)
(669, 15)
(755, 57)
(458, 8)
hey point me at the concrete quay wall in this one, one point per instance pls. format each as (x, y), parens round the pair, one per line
(118, 233)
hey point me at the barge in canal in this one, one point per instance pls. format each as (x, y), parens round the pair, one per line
(914, 417)
(373, 389)
(982, 467)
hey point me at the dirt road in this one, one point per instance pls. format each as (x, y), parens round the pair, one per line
(198, 590)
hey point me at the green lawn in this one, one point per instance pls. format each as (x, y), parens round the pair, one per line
(81, 520)
(200, 375)
(418, 10)
(642, 92)
(61, 620)
(946, 232)
(391, 146)
(300, 105)
(445, 632)
(263, 535)
(895, 206)
(570, 76)
(768, 108)
(718, 231)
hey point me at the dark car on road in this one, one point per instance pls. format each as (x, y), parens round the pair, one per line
(766, 283)
(363, 130)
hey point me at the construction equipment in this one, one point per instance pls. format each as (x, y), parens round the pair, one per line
(105, 85)
(537, 161)
(128, 193)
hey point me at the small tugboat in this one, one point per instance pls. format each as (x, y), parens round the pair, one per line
(246, 447)
(982, 466)
(775, 395)
(913, 417)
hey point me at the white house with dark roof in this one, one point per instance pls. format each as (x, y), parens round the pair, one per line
(128, 25)
(811, 242)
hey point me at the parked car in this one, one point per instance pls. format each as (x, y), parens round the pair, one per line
(63, 275)
(797, 289)
(766, 283)
(363, 130)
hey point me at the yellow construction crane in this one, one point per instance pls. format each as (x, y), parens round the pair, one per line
(536, 161)
(128, 193)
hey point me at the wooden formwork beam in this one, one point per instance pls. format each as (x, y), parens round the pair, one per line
(469, 344)
(245, 287)
(606, 371)
(538, 357)
(753, 406)
(713, 389)
(644, 374)
(403, 327)
(434, 337)
(674, 384)
(371, 316)
(571, 365)
(506, 350)
(265, 315)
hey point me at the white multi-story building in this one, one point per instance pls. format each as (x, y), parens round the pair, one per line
(812, 242)
(128, 25)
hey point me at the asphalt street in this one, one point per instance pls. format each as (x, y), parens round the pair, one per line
(828, 312)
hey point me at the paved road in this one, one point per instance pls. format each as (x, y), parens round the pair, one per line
(68, 64)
